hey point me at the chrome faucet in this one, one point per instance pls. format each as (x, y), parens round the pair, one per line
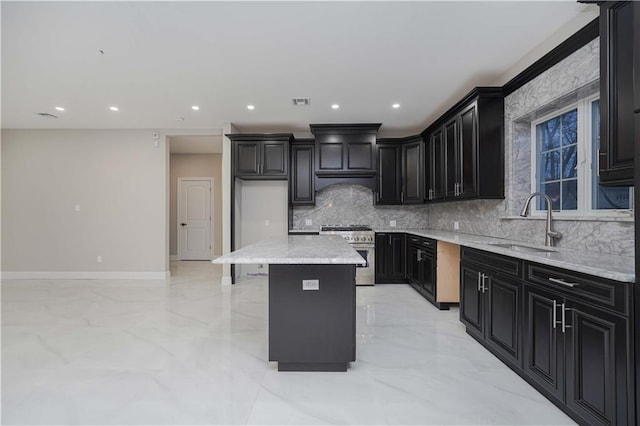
(550, 235)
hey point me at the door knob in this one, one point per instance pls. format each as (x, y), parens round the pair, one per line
(183, 224)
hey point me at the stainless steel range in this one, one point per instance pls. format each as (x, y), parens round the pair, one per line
(361, 238)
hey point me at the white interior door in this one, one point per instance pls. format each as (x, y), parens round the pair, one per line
(194, 219)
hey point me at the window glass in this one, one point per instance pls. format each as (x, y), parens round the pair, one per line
(558, 161)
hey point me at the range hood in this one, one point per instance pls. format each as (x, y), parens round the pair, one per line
(345, 153)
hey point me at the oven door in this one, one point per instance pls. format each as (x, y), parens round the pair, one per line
(365, 273)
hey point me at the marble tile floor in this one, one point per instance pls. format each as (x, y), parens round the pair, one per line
(189, 351)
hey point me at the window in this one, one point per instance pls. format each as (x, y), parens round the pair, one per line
(564, 163)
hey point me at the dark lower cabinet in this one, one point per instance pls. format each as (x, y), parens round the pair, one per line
(490, 307)
(390, 258)
(544, 347)
(421, 266)
(596, 365)
(568, 334)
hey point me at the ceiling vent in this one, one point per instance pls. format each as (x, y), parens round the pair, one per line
(301, 101)
(46, 114)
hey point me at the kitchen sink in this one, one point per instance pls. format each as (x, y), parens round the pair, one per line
(527, 249)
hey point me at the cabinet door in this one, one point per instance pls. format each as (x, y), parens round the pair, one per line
(397, 257)
(247, 159)
(381, 256)
(543, 340)
(596, 364)
(412, 173)
(428, 273)
(389, 178)
(468, 183)
(413, 265)
(616, 91)
(504, 324)
(359, 156)
(275, 158)
(452, 158)
(302, 184)
(437, 166)
(471, 304)
(330, 156)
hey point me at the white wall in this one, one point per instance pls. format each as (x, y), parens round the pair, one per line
(196, 165)
(117, 177)
(261, 212)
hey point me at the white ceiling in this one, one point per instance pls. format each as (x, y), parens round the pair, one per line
(210, 144)
(160, 58)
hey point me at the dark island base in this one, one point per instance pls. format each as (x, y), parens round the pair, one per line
(312, 330)
(312, 366)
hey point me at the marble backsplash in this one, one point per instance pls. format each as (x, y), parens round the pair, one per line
(565, 82)
(345, 204)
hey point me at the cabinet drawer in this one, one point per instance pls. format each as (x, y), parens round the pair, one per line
(423, 243)
(502, 264)
(592, 289)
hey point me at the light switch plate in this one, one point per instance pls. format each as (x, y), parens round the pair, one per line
(392, 223)
(456, 225)
(308, 222)
(311, 284)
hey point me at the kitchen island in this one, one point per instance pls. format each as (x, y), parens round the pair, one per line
(312, 299)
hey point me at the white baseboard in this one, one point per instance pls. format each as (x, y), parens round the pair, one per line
(226, 280)
(75, 275)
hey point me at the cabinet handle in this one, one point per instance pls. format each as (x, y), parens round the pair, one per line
(430, 194)
(484, 287)
(564, 319)
(555, 315)
(563, 282)
(598, 162)
(479, 274)
(419, 256)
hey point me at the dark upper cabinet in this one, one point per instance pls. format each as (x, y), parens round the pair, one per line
(400, 171)
(435, 167)
(413, 171)
(465, 149)
(301, 182)
(617, 52)
(390, 258)
(389, 174)
(345, 151)
(636, 60)
(261, 156)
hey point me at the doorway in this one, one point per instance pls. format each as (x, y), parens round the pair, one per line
(195, 200)
(195, 176)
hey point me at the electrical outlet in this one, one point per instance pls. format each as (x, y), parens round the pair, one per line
(392, 223)
(308, 222)
(456, 225)
(311, 284)
(99, 259)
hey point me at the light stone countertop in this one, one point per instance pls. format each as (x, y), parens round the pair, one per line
(613, 267)
(296, 249)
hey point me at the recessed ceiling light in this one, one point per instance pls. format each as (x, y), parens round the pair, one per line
(59, 108)
(335, 106)
(395, 106)
(113, 108)
(251, 107)
(195, 108)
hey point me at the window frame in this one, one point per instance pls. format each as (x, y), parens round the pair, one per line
(585, 164)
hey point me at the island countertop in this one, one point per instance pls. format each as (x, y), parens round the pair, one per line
(296, 249)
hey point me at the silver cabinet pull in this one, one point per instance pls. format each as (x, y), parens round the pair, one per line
(479, 278)
(598, 162)
(564, 318)
(562, 282)
(555, 315)
(419, 255)
(484, 287)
